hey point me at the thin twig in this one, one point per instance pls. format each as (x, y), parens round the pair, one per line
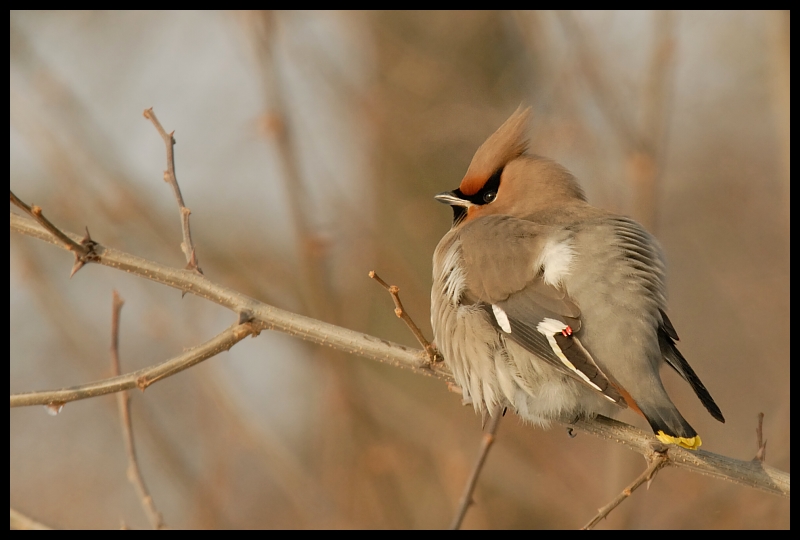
(123, 403)
(83, 250)
(486, 444)
(394, 290)
(761, 453)
(187, 246)
(748, 473)
(142, 378)
(656, 461)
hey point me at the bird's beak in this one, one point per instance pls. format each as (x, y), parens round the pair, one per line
(448, 197)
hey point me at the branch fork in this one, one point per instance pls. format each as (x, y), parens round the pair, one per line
(84, 250)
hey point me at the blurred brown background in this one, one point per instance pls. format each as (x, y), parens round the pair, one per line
(309, 146)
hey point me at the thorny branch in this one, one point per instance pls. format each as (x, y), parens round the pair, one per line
(169, 176)
(394, 290)
(747, 473)
(123, 403)
(83, 250)
(486, 443)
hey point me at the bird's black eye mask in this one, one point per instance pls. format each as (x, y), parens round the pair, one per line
(486, 195)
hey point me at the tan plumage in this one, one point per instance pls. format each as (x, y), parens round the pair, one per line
(551, 306)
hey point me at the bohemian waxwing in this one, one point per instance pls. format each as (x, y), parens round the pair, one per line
(551, 306)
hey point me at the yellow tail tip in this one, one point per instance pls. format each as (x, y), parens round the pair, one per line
(691, 444)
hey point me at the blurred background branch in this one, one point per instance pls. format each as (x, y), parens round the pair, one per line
(134, 472)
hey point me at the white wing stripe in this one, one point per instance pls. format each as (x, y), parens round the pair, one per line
(549, 327)
(502, 318)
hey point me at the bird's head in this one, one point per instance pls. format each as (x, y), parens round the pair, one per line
(503, 179)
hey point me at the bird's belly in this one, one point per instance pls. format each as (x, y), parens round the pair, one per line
(494, 372)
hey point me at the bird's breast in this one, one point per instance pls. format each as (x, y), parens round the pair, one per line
(449, 275)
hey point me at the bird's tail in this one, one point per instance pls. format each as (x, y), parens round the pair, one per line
(669, 426)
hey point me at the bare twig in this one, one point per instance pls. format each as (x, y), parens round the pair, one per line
(757, 475)
(169, 176)
(761, 453)
(83, 250)
(656, 461)
(486, 444)
(394, 290)
(142, 378)
(123, 403)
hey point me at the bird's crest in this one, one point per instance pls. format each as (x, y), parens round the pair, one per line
(505, 144)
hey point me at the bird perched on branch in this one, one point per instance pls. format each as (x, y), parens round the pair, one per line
(546, 304)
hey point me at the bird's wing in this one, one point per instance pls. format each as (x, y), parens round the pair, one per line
(644, 267)
(511, 270)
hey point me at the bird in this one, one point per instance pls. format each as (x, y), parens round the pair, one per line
(550, 306)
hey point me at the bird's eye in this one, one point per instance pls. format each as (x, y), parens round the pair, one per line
(489, 196)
